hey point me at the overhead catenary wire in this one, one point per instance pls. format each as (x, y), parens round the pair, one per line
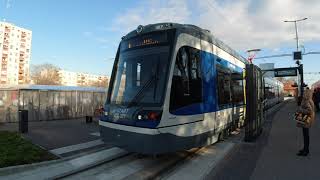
(284, 55)
(212, 6)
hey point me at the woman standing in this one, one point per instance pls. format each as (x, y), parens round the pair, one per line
(308, 114)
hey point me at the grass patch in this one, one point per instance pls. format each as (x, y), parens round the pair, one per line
(15, 150)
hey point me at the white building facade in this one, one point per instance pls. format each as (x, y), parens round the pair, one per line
(15, 52)
(69, 78)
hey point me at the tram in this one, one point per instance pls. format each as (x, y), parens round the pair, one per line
(273, 92)
(173, 87)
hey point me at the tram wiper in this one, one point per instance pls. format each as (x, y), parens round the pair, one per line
(140, 93)
(137, 98)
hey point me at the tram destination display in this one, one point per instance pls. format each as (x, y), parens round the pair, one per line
(144, 40)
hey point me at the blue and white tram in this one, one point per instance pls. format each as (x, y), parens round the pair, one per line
(273, 92)
(173, 87)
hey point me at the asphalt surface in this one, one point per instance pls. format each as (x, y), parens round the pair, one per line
(273, 154)
(241, 161)
(278, 159)
(59, 133)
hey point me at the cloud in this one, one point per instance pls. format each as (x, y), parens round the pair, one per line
(8, 4)
(104, 47)
(276, 49)
(242, 24)
(249, 24)
(102, 40)
(93, 36)
(87, 34)
(153, 11)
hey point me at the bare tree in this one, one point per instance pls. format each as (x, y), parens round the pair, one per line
(45, 74)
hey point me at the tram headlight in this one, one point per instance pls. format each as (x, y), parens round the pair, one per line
(149, 115)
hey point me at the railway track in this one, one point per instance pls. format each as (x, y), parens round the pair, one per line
(132, 166)
(192, 164)
(115, 163)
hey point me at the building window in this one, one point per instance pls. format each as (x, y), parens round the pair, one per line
(186, 87)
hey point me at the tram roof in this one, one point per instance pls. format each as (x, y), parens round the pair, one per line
(52, 88)
(189, 28)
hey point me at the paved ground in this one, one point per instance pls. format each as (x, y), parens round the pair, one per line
(59, 133)
(273, 155)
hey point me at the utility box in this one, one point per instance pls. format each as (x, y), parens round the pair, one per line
(23, 121)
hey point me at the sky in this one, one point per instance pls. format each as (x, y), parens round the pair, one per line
(83, 35)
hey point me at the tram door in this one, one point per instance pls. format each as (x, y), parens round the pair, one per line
(208, 84)
(254, 102)
(224, 99)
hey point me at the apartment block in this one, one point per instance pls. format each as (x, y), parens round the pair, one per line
(69, 78)
(15, 51)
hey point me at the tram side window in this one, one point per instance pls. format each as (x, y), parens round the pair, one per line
(237, 88)
(223, 83)
(186, 88)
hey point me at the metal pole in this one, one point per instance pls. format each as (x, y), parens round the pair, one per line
(297, 39)
(296, 28)
(39, 104)
(297, 43)
(302, 82)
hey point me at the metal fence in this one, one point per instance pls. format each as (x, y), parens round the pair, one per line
(49, 102)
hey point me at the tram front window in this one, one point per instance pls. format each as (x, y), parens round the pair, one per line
(140, 76)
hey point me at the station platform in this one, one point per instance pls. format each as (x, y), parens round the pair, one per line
(273, 155)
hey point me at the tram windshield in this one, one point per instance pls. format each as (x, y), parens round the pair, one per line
(141, 76)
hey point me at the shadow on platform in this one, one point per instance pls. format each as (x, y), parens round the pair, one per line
(273, 154)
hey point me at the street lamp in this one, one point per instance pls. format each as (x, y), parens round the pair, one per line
(252, 53)
(296, 28)
(298, 56)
